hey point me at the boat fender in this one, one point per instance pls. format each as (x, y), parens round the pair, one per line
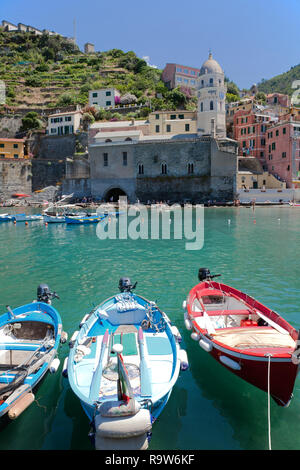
(184, 363)
(21, 405)
(84, 320)
(54, 365)
(184, 304)
(176, 333)
(187, 322)
(230, 363)
(65, 368)
(123, 427)
(64, 337)
(117, 408)
(195, 336)
(73, 339)
(206, 345)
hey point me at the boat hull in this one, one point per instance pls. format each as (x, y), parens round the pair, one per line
(261, 354)
(254, 370)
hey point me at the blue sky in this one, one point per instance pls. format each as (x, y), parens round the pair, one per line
(250, 39)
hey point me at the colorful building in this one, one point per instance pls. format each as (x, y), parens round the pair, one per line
(283, 150)
(173, 122)
(12, 148)
(104, 98)
(176, 75)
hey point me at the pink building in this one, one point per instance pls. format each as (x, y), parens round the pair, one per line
(283, 149)
(175, 75)
(278, 99)
(249, 129)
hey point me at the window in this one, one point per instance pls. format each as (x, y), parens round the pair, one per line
(156, 116)
(173, 116)
(16, 146)
(190, 168)
(179, 79)
(108, 103)
(68, 118)
(284, 130)
(164, 169)
(53, 131)
(263, 142)
(283, 154)
(95, 95)
(156, 128)
(105, 159)
(180, 116)
(277, 132)
(186, 80)
(108, 140)
(108, 93)
(201, 107)
(124, 158)
(211, 105)
(273, 146)
(2, 155)
(179, 69)
(2, 146)
(168, 128)
(128, 139)
(16, 155)
(187, 128)
(211, 81)
(185, 71)
(193, 72)
(141, 169)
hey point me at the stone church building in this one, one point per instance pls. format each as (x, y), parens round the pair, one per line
(173, 156)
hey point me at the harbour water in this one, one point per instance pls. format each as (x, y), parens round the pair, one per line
(210, 408)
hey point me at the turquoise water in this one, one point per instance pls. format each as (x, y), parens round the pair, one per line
(209, 408)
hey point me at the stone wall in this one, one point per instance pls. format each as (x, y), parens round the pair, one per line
(213, 177)
(15, 176)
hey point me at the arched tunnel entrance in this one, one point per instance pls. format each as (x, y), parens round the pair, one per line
(113, 194)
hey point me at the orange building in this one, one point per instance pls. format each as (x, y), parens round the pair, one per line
(12, 148)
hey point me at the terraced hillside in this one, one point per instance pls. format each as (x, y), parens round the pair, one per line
(50, 71)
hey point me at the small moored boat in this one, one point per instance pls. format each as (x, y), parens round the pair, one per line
(246, 337)
(123, 364)
(84, 219)
(29, 340)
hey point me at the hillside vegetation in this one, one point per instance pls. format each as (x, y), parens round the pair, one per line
(281, 83)
(49, 71)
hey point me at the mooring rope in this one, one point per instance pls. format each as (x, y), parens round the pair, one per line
(269, 408)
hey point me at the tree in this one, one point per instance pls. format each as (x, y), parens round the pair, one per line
(31, 121)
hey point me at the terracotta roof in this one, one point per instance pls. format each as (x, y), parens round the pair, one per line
(11, 140)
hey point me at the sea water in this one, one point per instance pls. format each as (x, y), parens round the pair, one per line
(257, 252)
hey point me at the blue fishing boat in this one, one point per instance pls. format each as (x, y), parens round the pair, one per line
(123, 363)
(9, 218)
(94, 219)
(29, 339)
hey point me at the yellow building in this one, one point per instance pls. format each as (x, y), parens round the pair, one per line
(173, 122)
(12, 148)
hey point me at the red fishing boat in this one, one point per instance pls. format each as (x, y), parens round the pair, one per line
(246, 337)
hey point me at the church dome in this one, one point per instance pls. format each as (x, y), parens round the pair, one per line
(210, 66)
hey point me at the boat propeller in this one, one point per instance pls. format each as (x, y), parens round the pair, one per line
(125, 284)
(45, 295)
(204, 273)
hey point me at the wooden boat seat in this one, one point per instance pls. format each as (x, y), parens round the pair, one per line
(247, 338)
(213, 313)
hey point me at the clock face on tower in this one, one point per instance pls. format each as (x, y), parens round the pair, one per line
(221, 95)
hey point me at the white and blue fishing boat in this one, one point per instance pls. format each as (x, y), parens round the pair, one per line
(26, 218)
(123, 363)
(29, 340)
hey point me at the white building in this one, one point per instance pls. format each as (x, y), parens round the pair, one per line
(64, 123)
(104, 98)
(211, 99)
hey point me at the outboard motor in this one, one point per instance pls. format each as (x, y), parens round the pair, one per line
(204, 273)
(45, 295)
(125, 284)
